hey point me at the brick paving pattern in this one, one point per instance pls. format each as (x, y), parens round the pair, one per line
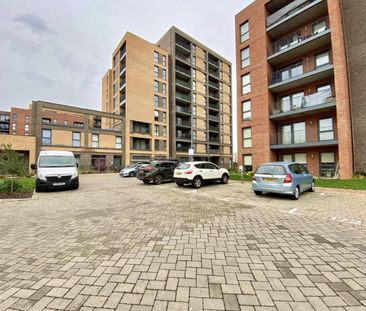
(117, 244)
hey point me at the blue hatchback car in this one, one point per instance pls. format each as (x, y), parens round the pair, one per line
(288, 178)
(131, 171)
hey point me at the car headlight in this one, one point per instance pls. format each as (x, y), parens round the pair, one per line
(41, 176)
(74, 175)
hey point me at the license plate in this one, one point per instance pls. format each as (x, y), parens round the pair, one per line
(178, 173)
(269, 179)
(141, 171)
(59, 184)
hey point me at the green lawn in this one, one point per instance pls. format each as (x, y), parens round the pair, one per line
(356, 184)
(27, 183)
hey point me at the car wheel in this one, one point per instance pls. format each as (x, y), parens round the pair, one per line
(132, 174)
(296, 194)
(224, 179)
(312, 188)
(197, 182)
(158, 180)
(38, 189)
(145, 181)
(258, 192)
(179, 184)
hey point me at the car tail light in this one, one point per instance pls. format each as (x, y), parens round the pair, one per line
(188, 172)
(288, 179)
(149, 168)
(254, 178)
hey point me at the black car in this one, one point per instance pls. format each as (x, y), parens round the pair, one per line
(157, 172)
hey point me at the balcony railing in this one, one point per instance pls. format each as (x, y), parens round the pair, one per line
(300, 137)
(182, 149)
(214, 106)
(183, 97)
(213, 63)
(183, 136)
(214, 128)
(213, 117)
(183, 110)
(213, 84)
(214, 73)
(182, 44)
(183, 83)
(183, 70)
(183, 57)
(214, 150)
(213, 95)
(214, 139)
(122, 99)
(303, 102)
(299, 35)
(123, 67)
(183, 123)
(287, 10)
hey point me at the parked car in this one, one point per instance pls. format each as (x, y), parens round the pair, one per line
(282, 177)
(131, 171)
(56, 169)
(157, 172)
(197, 173)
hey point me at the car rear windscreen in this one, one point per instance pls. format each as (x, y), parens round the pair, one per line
(271, 170)
(183, 166)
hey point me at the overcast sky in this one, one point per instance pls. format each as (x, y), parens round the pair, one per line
(58, 51)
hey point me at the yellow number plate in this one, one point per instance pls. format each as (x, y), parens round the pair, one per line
(269, 179)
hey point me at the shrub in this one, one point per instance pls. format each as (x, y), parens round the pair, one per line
(10, 185)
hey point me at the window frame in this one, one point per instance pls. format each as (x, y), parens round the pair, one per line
(244, 36)
(44, 137)
(247, 141)
(244, 60)
(320, 132)
(246, 111)
(76, 140)
(94, 143)
(245, 88)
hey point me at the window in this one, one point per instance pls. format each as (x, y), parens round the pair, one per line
(14, 126)
(156, 57)
(245, 84)
(65, 122)
(46, 136)
(164, 60)
(245, 60)
(118, 142)
(289, 72)
(140, 127)
(164, 88)
(78, 124)
(322, 59)
(164, 131)
(194, 85)
(297, 157)
(247, 113)
(164, 117)
(156, 130)
(156, 115)
(205, 136)
(244, 31)
(26, 128)
(194, 97)
(156, 86)
(326, 131)
(194, 135)
(163, 74)
(76, 139)
(156, 71)
(293, 101)
(247, 137)
(193, 49)
(26, 118)
(293, 133)
(156, 101)
(95, 140)
(247, 163)
(327, 164)
(327, 89)
(193, 60)
(194, 110)
(319, 26)
(193, 73)
(164, 102)
(15, 116)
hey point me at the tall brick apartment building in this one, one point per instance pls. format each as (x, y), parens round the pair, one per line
(294, 85)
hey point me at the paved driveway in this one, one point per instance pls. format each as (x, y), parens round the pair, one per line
(119, 244)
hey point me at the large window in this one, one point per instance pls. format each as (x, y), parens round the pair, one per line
(245, 60)
(163, 74)
(326, 131)
(46, 137)
(76, 139)
(164, 88)
(156, 57)
(247, 112)
(319, 26)
(289, 72)
(293, 133)
(327, 164)
(245, 84)
(293, 101)
(244, 31)
(247, 137)
(156, 101)
(95, 140)
(247, 163)
(296, 157)
(118, 142)
(156, 86)
(156, 71)
(322, 59)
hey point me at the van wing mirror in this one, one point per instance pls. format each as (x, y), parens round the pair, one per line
(33, 166)
(77, 165)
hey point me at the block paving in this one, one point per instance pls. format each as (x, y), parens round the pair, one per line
(117, 244)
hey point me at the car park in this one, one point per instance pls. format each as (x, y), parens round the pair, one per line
(131, 171)
(56, 170)
(157, 172)
(197, 173)
(287, 178)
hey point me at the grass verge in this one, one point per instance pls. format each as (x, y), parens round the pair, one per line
(23, 188)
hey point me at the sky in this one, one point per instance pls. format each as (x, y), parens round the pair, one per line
(58, 50)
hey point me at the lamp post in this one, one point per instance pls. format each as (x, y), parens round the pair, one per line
(191, 150)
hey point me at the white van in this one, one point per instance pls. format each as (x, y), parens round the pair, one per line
(56, 169)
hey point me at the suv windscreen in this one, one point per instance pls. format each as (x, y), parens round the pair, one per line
(271, 170)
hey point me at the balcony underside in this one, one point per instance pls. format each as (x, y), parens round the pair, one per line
(304, 79)
(295, 20)
(318, 41)
(304, 111)
(326, 143)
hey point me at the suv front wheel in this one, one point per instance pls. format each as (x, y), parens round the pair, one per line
(158, 180)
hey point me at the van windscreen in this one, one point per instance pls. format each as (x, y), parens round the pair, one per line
(57, 161)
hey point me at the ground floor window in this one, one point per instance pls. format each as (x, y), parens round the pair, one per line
(296, 157)
(117, 161)
(247, 163)
(327, 164)
(99, 163)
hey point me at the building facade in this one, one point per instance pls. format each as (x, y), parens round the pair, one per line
(293, 100)
(137, 88)
(200, 100)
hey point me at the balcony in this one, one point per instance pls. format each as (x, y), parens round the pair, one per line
(214, 73)
(294, 76)
(122, 84)
(122, 100)
(304, 40)
(183, 45)
(182, 147)
(214, 150)
(317, 102)
(294, 15)
(185, 72)
(182, 57)
(186, 85)
(212, 128)
(182, 110)
(183, 97)
(183, 136)
(214, 139)
(214, 106)
(182, 123)
(214, 85)
(213, 62)
(212, 117)
(214, 95)
(299, 139)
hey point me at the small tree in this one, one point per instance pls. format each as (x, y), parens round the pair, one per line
(11, 163)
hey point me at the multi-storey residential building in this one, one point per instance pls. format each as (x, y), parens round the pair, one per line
(293, 88)
(137, 89)
(20, 121)
(4, 122)
(200, 99)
